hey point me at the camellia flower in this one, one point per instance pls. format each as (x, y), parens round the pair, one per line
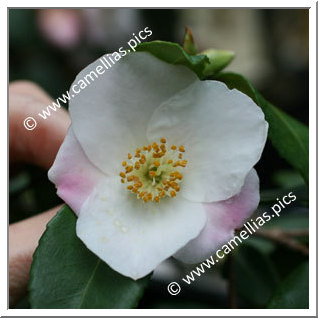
(157, 163)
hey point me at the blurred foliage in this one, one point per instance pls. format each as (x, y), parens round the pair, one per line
(293, 292)
(265, 271)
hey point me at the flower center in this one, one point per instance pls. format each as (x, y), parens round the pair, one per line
(154, 171)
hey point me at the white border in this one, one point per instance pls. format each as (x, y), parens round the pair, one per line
(312, 157)
(165, 3)
(161, 312)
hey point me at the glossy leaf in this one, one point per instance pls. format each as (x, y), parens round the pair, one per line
(65, 274)
(293, 292)
(173, 53)
(297, 220)
(255, 275)
(203, 64)
(289, 136)
(270, 195)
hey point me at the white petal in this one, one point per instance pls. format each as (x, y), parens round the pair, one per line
(134, 237)
(73, 174)
(110, 115)
(223, 131)
(223, 218)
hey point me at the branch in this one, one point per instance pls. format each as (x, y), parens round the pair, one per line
(297, 233)
(283, 238)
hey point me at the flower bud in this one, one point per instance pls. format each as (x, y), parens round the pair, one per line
(219, 59)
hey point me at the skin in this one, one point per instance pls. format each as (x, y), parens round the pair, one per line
(38, 147)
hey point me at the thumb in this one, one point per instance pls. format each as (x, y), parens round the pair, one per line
(23, 240)
(40, 145)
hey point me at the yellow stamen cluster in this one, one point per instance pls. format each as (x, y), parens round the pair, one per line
(152, 173)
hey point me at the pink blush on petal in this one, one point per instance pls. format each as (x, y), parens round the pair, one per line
(223, 218)
(73, 174)
(74, 190)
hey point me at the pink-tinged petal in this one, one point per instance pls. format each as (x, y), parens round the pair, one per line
(222, 218)
(73, 174)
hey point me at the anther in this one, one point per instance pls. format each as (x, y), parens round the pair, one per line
(151, 177)
(152, 174)
(130, 178)
(123, 174)
(129, 169)
(157, 163)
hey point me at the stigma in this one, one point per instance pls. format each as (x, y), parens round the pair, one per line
(153, 172)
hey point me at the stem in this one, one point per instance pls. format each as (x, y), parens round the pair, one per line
(282, 237)
(297, 233)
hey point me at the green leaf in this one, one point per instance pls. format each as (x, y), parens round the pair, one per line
(271, 195)
(65, 274)
(173, 53)
(289, 136)
(219, 59)
(256, 277)
(293, 292)
(287, 179)
(290, 221)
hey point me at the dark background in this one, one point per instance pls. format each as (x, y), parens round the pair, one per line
(50, 46)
